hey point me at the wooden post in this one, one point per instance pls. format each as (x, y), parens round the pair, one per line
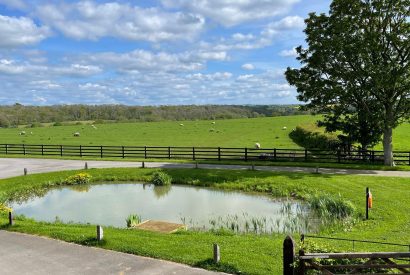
(145, 152)
(219, 154)
(169, 152)
(25, 171)
(306, 154)
(246, 154)
(61, 150)
(100, 233)
(373, 159)
(367, 202)
(409, 154)
(302, 265)
(10, 218)
(81, 151)
(7, 151)
(193, 153)
(86, 166)
(288, 256)
(143, 164)
(101, 151)
(42, 149)
(123, 151)
(274, 154)
(217, 253)
(24, 149)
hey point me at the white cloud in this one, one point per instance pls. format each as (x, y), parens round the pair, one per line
(78, 70)
(15, 4)
(90, 20)
(248, 67)
(285, 24)
(20, 31)
(230, 13)
(289, 53)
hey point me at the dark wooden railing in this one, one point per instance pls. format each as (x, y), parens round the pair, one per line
(202, 153)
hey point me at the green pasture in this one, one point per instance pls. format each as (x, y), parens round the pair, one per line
(244, 253)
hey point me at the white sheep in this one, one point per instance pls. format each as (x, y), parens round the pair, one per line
(22, 133)
(284, 128)
(213, 122)
(257, 146)
(76, 134)
(181, 124)
(94, 126)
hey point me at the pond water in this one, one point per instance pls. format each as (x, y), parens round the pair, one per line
(199, 208)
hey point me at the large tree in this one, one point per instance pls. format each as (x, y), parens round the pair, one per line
(357, 61)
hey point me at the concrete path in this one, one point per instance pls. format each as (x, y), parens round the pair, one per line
(10, 167)
(25, 254)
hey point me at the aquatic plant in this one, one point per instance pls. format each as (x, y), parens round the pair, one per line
(160, 178)
(133, 220)
(333, 207)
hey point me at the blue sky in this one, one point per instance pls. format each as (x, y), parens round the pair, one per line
(157, 52)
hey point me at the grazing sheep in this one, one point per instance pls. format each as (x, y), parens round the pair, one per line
(22, 133)
(94, 126)
(181, 124)
(213, 122)
(257, 146)
(284, 128)
(76, 134)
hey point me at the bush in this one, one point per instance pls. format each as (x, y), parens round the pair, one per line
(81, 178)
(160, 178)
(4, 208)
(310, 137)
(57, 124)
(334, 207)
(35, 125)
(133, 220)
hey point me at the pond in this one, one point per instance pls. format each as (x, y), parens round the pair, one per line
(199, 208)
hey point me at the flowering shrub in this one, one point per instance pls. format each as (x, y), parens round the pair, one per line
(160, 178)
(81, 178)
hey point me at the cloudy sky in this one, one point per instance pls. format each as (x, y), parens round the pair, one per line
(150, 52)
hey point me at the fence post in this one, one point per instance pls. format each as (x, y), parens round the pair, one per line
(100, 233)
(302, 265)
(101, 151)
(217, 253)
(288, 256)
(123, 151)
(42, 149)
(306, 154)
(367, 202)
(25, 171)
(145, 152)
(373, 156)
(61, 150)
(10, 218)
(274, 154)
(219, 154)
(409, 155)
(24, 149)
(339, 156)
(81, 151)
(193, 153)
(7, 151)
(169, 152)
(246, 154)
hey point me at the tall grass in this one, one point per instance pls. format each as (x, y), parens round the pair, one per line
(331, 206)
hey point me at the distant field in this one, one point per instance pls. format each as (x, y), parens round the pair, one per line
(224, 133)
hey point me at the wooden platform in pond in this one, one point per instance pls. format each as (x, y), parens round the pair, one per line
(159, 226)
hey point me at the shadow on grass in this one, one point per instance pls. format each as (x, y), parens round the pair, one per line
(92, 241)
(209, 264)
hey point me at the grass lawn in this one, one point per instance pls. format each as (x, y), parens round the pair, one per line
(249, 254)
(224, 133)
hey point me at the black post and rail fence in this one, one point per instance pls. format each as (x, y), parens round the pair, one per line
(202, 153)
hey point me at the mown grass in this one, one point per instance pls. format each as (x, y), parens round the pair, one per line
(249, 254)
(224, 133)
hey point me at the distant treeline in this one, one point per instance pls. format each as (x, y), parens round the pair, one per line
(18, 114)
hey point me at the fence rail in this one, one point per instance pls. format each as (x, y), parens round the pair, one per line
(203, 153)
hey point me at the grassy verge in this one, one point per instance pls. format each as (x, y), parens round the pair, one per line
(233, 162)
(250, 254)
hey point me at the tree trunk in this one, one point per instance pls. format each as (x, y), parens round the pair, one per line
(388, 146)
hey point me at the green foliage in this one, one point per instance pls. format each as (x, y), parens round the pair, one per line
(311, 137)
(161, 178)
(330, 206)
(81, 178)
(4, 208)
(362, 86)
(57, 124)
(133, 220)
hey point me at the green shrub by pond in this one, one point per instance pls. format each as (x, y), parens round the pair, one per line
(81, 178)
(133, 220)
(160, 178)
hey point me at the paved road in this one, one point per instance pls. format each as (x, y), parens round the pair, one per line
(10, 167)
(24, 254)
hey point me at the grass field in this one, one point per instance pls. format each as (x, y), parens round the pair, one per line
(224, 133)
(249, 254)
